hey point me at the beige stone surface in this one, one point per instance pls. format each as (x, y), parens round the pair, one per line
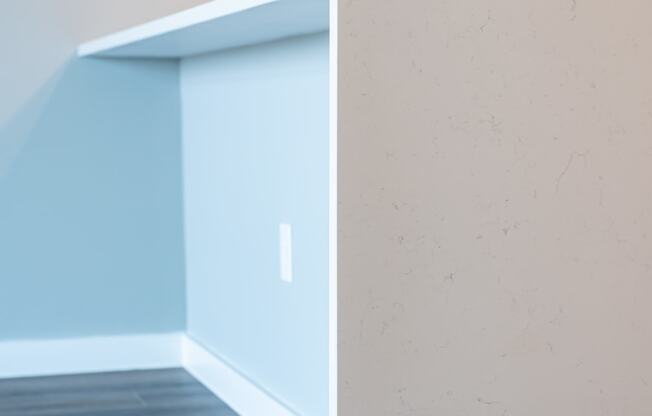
(495, 208)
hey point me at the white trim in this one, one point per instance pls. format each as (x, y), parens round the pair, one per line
(138, 352)
(233, 388)
(332, 213)
(88, 355)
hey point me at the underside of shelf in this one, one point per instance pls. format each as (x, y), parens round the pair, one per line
(218, 25)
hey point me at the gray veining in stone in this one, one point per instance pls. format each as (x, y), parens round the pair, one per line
(495, 208)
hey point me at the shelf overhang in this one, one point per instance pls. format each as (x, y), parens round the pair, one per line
(214, 26)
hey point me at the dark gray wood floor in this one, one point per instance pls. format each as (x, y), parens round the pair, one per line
(171, 392)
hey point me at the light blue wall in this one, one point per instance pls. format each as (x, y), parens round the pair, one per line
(90, 204)
(255, 125)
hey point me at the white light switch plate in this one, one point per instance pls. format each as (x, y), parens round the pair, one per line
(285, 238)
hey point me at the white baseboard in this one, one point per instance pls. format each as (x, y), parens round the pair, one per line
(88, 355)
(138, 352)
(236, 390)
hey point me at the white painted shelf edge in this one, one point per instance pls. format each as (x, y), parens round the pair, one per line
(217, 25)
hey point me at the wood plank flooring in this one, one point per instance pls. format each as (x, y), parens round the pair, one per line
(169, 392)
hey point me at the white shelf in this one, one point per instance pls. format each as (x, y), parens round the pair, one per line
(220, 24)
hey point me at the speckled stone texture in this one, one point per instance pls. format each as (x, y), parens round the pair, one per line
(495, 208)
